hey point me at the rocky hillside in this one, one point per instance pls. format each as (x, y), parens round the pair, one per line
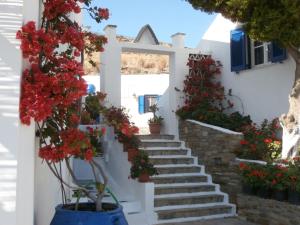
(132, 63)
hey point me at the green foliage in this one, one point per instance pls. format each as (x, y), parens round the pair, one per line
(155, 119)
(264, 20)
(261, 142)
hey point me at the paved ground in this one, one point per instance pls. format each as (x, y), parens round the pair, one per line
(229, 221)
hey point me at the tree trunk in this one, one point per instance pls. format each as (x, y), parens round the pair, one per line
(291, 120)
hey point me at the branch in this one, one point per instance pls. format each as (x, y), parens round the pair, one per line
(294, 52)
(86, 191)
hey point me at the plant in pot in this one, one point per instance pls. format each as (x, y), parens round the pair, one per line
(51, 90)
(142, 168)
(156, 121)
(279, 181)
(294, 182)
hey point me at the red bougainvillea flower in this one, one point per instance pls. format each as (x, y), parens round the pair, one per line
(103, 13)
(268, 140)
(88, 155)
(103, 130)
(243, 166)
(244, 142)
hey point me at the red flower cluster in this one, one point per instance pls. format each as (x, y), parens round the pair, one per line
(103, 13)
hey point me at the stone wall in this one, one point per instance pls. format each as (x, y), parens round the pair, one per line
(267, 211)
(214, 148)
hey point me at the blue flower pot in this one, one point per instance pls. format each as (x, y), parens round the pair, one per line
(86, 215)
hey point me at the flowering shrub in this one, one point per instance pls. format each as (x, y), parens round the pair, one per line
(52, 86)
(261, 142)
(274, 177)
(205, 98)
(141, 165)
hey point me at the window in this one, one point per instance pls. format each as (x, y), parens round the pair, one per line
(261, 52)
(245, 53)
(145, 101)
(149, 101)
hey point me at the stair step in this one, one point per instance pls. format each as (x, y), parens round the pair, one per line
(171, 189)
(169, 160)
(195, 178)
(159, 143)
(156, 136)
(169, 169)
(166, 151)
(194, 212)
(181, 199)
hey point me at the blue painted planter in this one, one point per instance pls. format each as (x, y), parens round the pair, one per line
(65, 216)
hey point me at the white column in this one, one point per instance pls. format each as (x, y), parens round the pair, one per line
(178, 71)
(110, 68)
(24, 135)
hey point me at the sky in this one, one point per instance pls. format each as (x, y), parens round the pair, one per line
(166, 17)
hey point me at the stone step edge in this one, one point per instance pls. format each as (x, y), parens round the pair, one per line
(171, 157)
(179, 185)
(163, 148)
(178, 166)
(193, 194)
(191, 206)
(181, 175)
(191, 219)
(160, 141)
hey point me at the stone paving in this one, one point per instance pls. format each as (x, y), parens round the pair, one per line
(227, 221)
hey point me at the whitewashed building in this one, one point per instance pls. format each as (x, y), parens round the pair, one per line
(29, 193)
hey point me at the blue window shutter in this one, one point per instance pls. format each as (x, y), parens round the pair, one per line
(141, 104)
(239, 50)
(278, 53)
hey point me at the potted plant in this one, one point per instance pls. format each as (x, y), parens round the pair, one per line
(294, 182)
(279, 184)
(142, 168)
(156, 121)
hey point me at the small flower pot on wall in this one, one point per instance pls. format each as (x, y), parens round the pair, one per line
(144, 177)
(247, 189)
(280, 195)
(264, 192)
(132, 152)
(294, 197)
(154, 128)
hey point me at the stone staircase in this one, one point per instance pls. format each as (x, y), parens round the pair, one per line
(183, 191)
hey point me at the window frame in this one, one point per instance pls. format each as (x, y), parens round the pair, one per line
(266, 50)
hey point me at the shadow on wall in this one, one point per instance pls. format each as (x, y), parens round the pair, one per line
(10, 64)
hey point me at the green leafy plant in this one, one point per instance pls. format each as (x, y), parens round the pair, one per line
(155, 119)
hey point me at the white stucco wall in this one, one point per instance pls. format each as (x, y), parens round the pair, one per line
(263, 90)
(133, 86)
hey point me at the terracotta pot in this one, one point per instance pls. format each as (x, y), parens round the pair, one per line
(144, 177)
(294, 197)
(132, 152)
(154, 128)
